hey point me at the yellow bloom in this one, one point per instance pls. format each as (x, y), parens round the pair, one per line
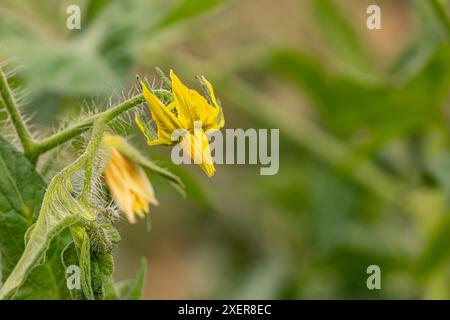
(127, 182)
(190, 112)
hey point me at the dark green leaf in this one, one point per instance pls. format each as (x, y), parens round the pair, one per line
(21, 194)
(435, 253)
(132, 289)
(187, 9)
(339, 35)
(381, 110)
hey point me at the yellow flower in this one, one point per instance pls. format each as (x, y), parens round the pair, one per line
(189, 112)
(127, 182)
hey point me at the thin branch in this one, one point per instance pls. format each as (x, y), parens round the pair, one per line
(58, 138)
(14, 113)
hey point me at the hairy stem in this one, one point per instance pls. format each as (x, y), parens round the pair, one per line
(91, 152)
(51, 221)
(32, 148)
(59, 138)
(13, 111)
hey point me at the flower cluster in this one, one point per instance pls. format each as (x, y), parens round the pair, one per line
(129, 186)
(187, 109)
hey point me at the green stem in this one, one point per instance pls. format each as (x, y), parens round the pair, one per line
(91, 152)
(59, 138)
(163, 77)
(63, 136)
(441, 15)
(13, 110)
(33, 149)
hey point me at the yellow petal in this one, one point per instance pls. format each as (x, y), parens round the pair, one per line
(129, 186)
(181, 96)
(197, 147)
(220, 120)
(204, 112)
(150, 141)
(191, 106)
(166, 122)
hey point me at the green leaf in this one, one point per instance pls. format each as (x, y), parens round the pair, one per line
(110, 291)
(187, 9)
(21, 194)
(132, 289)
(439, 167)
(339, 35)
(104, 239)
(96, 265)
(441, 16)
(350, 263)
(94, 8)
(332, 201)
(59, 210)
(435, 254)
(69, 257)
(382, 110)
(411, 61)
(83, 248)
(102, 269)
(108, 48)
(420, 50)
(47, 280)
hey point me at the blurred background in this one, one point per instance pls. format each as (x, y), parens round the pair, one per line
(363, 115)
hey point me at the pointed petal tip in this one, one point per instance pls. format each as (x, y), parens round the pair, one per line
(210, 171)
(131, 218)
(174, 77)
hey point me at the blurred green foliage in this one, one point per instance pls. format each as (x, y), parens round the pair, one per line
(364, 165)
